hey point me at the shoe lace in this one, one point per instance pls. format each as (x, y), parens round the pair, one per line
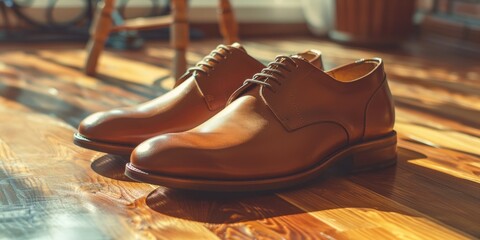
(208, 62)
(273, 71)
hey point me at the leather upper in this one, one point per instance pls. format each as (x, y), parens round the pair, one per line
(198, 95)
(279, 125)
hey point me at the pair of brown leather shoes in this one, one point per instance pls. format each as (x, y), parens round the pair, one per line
(283, 126)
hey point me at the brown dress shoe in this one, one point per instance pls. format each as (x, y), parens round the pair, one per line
(198, 95)
(283, 127)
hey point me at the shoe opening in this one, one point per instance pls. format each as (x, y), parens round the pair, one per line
(355, 71)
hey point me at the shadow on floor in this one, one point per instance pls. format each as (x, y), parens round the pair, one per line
(111, 166)
(227, 208)
(224, 208)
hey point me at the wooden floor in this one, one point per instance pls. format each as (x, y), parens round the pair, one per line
(49, 188)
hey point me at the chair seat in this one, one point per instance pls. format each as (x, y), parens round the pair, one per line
(144, 23)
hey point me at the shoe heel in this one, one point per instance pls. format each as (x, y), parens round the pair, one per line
(373, 158)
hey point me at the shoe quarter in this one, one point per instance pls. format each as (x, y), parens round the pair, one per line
(309, 96)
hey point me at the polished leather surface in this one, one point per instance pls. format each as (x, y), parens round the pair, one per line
(199, 94)
(280, 125)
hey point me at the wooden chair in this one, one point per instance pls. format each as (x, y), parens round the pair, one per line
(177, 21)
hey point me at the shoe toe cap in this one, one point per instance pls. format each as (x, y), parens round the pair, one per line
(110, 126)
(168, 154)
(155, 153)
(95, 126)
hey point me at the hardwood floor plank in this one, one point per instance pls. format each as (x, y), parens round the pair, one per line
(348, 206)
(446, 167)
(445, 139)
(241, 216)
(47, 179)
(427, 195)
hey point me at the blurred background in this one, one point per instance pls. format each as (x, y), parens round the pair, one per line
(453, 22)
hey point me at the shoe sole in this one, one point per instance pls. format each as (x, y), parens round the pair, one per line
(366, 156)
(105, 147)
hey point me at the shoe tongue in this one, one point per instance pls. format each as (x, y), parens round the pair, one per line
(238, 46)
(220, 49)
(313, 57)
(252, 89)
(296, 56)
(301, 58)
(223, 51)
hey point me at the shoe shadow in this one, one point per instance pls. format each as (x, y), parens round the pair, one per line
(216, 208)
(224, 208)
(111, 166)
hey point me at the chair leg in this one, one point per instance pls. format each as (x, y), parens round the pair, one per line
(179, 37)
(99, 32)
(227, 22)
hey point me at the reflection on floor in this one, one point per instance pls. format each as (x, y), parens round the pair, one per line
(51, 188)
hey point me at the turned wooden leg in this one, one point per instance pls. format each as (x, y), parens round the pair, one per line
(179, 37)
(99, 32)
(227, 22)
